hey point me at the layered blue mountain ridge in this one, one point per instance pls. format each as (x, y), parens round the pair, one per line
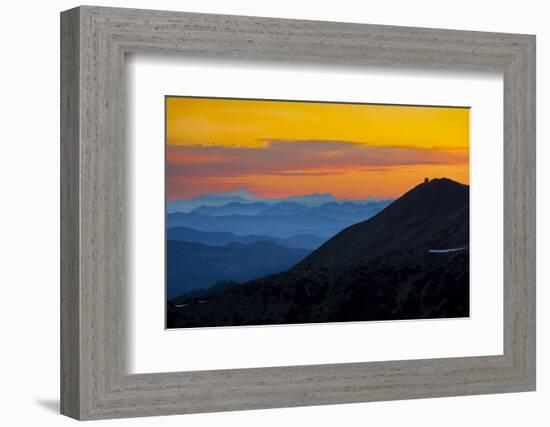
(235, 236)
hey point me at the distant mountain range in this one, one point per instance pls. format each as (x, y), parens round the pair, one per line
(236, 236)
(282, 219)
(381, 268)
(212, 199)
(346, 211)
(221, 238)
(280, 226)
(243, 196)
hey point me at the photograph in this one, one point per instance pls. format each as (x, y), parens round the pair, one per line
(297, 212)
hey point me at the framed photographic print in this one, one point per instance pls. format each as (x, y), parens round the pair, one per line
(285, 212)
(263, 213)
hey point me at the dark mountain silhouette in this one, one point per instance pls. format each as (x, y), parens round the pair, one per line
(378, 269)
(192, 266)
(431, 215)
(222, 238)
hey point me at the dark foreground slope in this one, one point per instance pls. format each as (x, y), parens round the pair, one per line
(379, 269)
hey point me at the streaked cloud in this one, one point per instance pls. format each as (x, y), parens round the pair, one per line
(299, 158)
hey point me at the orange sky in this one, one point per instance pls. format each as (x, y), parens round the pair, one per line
(281, 148)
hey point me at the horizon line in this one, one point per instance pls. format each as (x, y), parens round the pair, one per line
(309, 194)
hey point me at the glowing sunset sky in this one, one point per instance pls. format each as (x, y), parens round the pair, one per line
(281, 148)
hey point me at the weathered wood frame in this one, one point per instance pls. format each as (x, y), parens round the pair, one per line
(94, 382)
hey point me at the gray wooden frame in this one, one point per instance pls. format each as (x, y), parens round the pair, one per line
(94, 382)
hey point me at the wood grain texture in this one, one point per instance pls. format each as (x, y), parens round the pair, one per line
(70, 297)
(94, 381)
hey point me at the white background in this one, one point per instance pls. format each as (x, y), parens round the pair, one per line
(29, 169)
(152, 349)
